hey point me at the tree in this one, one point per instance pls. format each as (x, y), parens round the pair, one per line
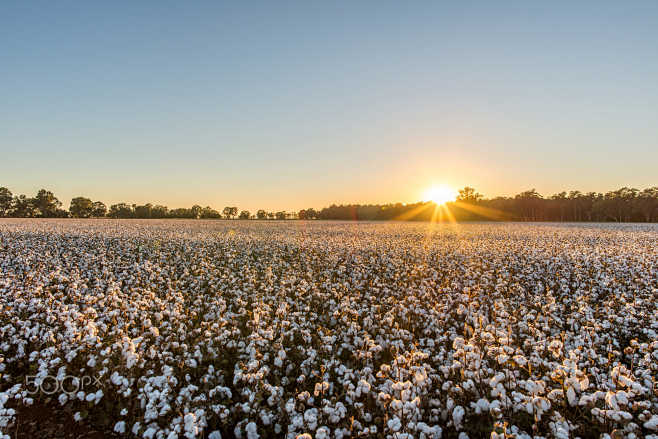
(244, 215)
(181, 213)
(196, 211)
(302, 214)
(261, 214)
(23, 207)
(6, 201)
(209, 213)
(311, 213)
(647, 203)
(46, 203)
(99, 209)
(468, 195)
(144, 211)
(120, 210)
(560, 201)
(528, 204)
(159, 211)
(81, 207)
(230, 212)
(281, 215)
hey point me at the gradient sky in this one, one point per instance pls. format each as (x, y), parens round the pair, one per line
(285, 105)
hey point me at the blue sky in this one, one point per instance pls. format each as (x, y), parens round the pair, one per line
(285, 105)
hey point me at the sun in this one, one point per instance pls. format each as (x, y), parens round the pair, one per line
(440, 194)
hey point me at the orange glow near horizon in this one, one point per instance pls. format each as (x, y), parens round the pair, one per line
(440, 194)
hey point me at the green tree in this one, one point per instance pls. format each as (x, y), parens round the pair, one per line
(99, 209)
(647, 203)
(81, 207)
(120, 210)
(230, 212)
(23, 207)
(244, 214)
(209, 213)
(46, 203)
(143, 211)
(196, 211)
(261, 214)
(159, 211)
(6, 201)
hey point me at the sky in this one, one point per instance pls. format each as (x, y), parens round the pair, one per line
(287, 105)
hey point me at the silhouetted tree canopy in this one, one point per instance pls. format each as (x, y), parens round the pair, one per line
(623, 205)
(81, 207)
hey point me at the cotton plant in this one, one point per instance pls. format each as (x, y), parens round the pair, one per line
(197, 329)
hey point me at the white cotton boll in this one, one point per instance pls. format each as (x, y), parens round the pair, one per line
(311, 418)
(172, 435)
(215, 435)
(481, 406)
(571, 396)
(652, 424)
(149, 433)
(553, 395)
(394, 424)
(322, 433)
(502, 358)
(458, 417)
(63, 398)
(252, 430)
(622, 397)
(120, 427)
(77, 417)
(463, 435)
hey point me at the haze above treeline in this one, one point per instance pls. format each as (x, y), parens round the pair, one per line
(623, 205)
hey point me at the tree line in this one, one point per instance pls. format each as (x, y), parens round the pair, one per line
(623, 205)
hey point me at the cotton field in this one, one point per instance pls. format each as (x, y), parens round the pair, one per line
(221, 329)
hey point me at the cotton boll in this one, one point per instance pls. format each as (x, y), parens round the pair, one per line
(252, 431)
(120, 427)
(394, 424)
(652, 424)
(458, 417)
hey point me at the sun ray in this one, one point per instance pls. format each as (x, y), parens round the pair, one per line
(486, 212)
(411, 214)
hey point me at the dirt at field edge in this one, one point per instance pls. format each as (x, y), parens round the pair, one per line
(45, 421)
